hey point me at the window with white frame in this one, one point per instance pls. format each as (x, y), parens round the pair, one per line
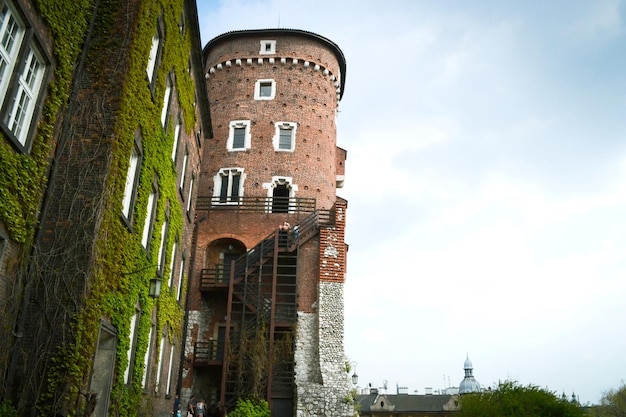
(153, 57)
(189, 195)
(265, 89)
(228, 186)
(166, 101)
(157, 378)
(23, 66)
(168, 384)
(132, 180)
(162, 247)
(239, 138)
(268, 47)
(172, 263)
(12, 31)
(146, 359)
(285, 136)
(176, 139)
(134, 322)
(181, 276)
(149, 222)
(183, 173)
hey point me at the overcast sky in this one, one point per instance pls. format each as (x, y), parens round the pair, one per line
(486, 181)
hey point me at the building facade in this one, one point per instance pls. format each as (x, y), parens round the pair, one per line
(265, 303)
(103, 120)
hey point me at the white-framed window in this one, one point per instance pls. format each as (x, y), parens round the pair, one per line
(134, 321)
(239, 137)
(265, 89)
(189, 195)
(268, 47)
(149, 222)
(181, 276)
(183, 173)
(166, 101)
(285, 136)
(23, 66)
(153, 56)
(132, 180)
(176, 139)
(162, 247)
(228, 185)
(168, 384)
(172, 263)
(146, 359)
(12, 30)
(157, 379)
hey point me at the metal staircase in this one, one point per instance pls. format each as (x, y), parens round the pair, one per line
(262, 313)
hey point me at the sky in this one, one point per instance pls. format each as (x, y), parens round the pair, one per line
(486, 183)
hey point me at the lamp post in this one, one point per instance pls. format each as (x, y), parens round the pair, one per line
(355, 377)
(155, 288)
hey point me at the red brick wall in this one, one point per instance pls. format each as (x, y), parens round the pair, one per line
(303, 95)
(332, 249)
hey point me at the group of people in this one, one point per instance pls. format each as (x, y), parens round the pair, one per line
(284, 228)
(195, 408)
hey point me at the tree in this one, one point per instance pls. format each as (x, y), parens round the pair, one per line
(514, 400)
(612, 403)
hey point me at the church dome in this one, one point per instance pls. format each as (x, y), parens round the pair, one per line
(469, 384)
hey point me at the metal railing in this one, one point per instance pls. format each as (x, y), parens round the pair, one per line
(258, 204)
(208, 351)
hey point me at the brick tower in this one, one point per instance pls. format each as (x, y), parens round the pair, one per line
(265, 308)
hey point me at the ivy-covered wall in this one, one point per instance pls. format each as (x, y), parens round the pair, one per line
(88, 266)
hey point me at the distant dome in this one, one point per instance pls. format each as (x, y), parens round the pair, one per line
(469, 384)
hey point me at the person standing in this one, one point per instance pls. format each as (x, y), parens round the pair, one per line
(191, 407)
(200, 408)
(176, 406)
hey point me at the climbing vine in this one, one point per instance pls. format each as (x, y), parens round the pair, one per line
(103, 273)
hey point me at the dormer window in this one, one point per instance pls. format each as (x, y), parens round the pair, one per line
(268, 47)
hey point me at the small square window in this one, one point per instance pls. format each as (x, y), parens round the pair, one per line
(268, 47)
(264, 90)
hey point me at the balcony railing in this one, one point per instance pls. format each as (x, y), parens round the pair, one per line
(208, 352)
(258, 204)
(217, 277)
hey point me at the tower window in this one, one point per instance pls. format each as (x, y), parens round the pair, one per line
(228, 186)
(239, 136)
(285, 136)
(264, 90)
(268, 47)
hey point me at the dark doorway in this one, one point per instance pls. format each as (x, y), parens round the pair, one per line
(228, 258)
(280, 199)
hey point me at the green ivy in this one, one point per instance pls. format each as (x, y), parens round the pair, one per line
(24, 176)
(122, 270)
